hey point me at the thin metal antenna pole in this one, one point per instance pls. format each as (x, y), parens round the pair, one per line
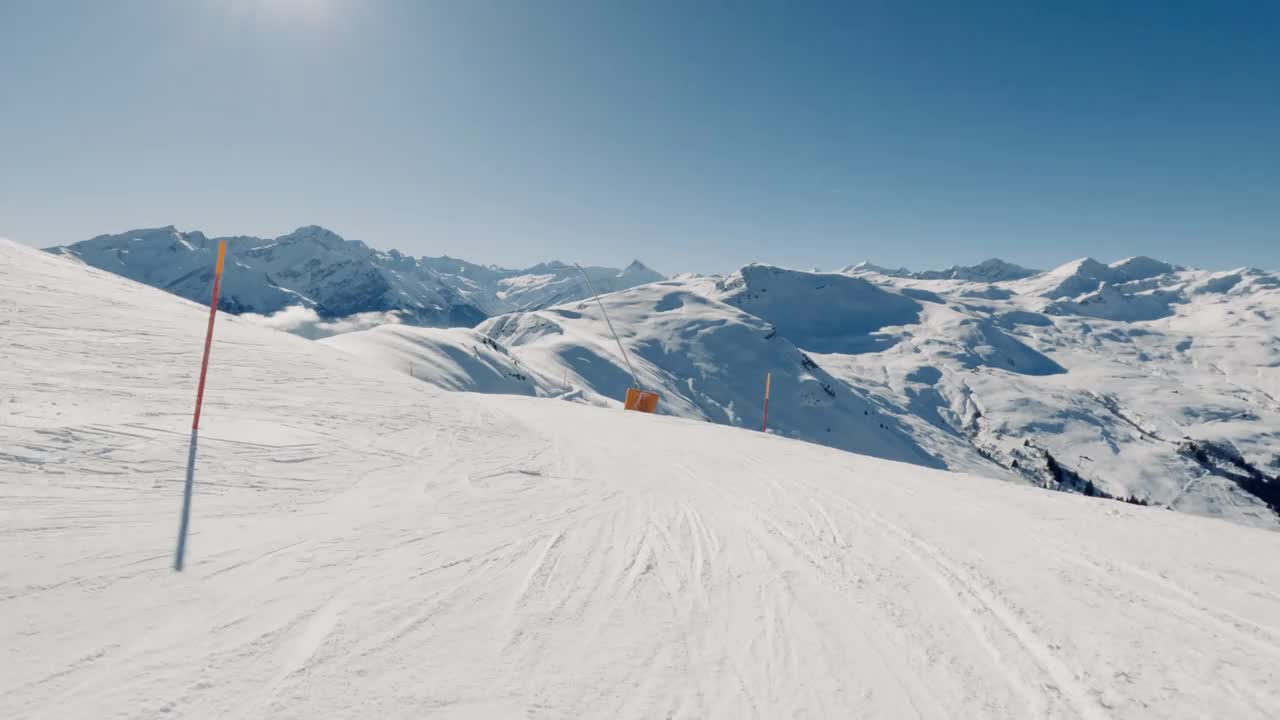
(590, 287)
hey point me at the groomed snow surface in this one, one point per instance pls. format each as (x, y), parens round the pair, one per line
(366, 545)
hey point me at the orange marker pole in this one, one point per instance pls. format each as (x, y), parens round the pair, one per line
(208, 336)
(180, 555)
(767, 378)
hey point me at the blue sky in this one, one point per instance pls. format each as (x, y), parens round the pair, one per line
(693, 135)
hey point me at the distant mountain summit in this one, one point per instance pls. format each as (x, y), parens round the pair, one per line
(993, 270)
(318, 269)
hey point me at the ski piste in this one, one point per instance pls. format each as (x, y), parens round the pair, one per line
(367, 544)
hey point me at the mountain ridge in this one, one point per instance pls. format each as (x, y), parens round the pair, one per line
(1154, 384)
(318, 269)
(336, 277)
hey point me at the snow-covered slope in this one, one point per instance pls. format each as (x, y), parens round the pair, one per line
(821, 312)
(315, 268)
(456, 359)
(367, 546)
(1139, 380)
(708, 360)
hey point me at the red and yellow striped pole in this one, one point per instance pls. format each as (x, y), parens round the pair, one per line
(180, 555)
(767, 378)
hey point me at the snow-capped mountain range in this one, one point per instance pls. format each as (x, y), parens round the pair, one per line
(1138, 380)
(993, 270)
(318, 269)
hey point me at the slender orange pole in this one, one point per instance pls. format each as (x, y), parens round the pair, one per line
(209, 333)
(767, 378)
(180, 556)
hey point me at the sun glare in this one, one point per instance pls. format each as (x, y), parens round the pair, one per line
(316, 12)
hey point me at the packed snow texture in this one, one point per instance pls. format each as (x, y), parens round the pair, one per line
(340, 281)
(366, 545)
(1140, 380)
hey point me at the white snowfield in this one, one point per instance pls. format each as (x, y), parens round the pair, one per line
(1138, 380)
(365, 545)
(457, 359)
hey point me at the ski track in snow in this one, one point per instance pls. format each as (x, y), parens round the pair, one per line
(365, 546)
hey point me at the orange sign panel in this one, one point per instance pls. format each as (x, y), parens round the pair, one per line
(641, 400)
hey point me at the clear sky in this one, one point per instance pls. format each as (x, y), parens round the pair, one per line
(693, 135)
